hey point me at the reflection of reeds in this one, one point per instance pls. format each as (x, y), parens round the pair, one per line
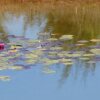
(77, 18)
(81, 20)
(65, 74)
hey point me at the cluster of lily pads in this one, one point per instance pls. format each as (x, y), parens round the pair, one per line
(22, 53)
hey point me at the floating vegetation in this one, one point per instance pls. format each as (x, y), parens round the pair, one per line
(56, 48)
(83, 41)
(65, 60)
(4, 78)
(31, 61)
(48, 71)
(95, 40)
(16, 68)
(24, 53)
(66, 37)
(49, 62)
(88, 55)
(68, 63)
(84, 58)
(80, 44)
(95, 51)
(76, 55)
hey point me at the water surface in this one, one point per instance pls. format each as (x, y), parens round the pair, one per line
(49, 56)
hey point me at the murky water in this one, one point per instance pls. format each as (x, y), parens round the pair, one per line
(48, 56)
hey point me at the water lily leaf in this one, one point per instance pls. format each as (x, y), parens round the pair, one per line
(66, 37)
(13, 51)
(31, 61)
(31, 56)
(88, 55)
(95, 51)
(65, 60)
(84, 58)
(63, 53)
(52, 39)
(16, 68)
(52, 53)
(50, 62)
(39, 51)
(83, 41)
(76, 55)
(5, 78)
(56, 48)
(80, 44)
(95, 40)
(69, 55)
(49, 71)
(68, 63)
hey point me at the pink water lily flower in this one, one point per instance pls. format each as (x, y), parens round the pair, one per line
(2, 45)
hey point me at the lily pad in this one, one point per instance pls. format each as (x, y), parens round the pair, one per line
(95, 40)
(49, 71)
(95, 51)
(16, 68)
(66, 37)
(5, 78)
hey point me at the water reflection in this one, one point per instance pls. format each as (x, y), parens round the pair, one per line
(51, 40)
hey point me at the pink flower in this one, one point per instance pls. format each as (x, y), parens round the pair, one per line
(2, 45)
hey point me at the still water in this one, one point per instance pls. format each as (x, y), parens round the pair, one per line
(49, 56)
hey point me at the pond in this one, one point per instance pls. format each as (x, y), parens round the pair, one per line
(50, 55)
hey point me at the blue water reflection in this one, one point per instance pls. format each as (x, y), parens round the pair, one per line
(31, 84)
(18, 26)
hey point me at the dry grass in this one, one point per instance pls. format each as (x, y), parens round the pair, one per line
(47, 5)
